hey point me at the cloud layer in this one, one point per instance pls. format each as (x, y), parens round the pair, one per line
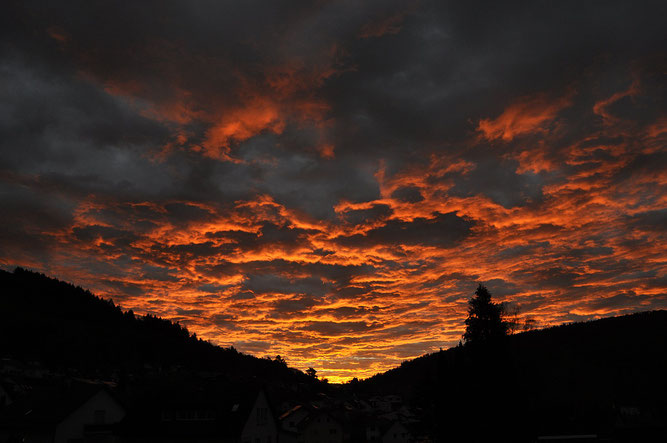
(328, 181)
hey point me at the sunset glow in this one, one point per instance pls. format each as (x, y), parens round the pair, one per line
(330, 182)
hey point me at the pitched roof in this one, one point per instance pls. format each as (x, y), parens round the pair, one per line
(46, 406)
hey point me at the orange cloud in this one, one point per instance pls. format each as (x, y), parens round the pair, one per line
(525, 116)
(371, 286)
(281, 93)
(601, 107)
(327, 151)
(534, 161)
(239, 125)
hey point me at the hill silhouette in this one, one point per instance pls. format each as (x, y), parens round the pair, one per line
(67, 328)
(602, 377)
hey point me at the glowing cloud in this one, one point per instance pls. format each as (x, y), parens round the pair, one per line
(525, 116)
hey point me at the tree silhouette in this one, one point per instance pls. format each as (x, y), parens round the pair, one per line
(485, 322)
(311, 372)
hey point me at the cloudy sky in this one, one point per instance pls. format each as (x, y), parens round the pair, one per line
(330, 180)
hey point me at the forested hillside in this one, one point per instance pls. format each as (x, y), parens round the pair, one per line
(66, 328)
(581, 378)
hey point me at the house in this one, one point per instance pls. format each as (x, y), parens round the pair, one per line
(11, 367)
(288, 424)
(5, 396)
(397, 433)
(373, 431)
(261, 425)
(81, 414)
(176, 413)
(311, 424)
(188, 412)
(380, 404)
(322, 427)
(395, 401)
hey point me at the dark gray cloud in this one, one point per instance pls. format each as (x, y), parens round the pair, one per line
(651, 220)
(410, 194)
(443, 230)
(70, 128)
(364, 216)
(288, 307)
(501, 183)
(349, 311)
(388, 101)
(271, 283)
(338, 328)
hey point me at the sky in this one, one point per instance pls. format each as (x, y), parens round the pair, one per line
(331, 180)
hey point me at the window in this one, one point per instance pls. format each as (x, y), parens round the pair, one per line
(262, 415)
(99, 416)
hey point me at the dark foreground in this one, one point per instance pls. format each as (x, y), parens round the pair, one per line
(76, 368)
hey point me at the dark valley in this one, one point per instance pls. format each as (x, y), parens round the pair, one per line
(77, 368)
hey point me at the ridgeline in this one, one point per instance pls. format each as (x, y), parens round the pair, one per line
(604, 378)
(68, 329)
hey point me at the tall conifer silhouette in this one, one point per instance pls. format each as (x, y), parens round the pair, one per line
(485, 322)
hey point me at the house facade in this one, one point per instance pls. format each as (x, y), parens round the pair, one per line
(397, 433)
(92, 421)
(261, 426)
(86, 418)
